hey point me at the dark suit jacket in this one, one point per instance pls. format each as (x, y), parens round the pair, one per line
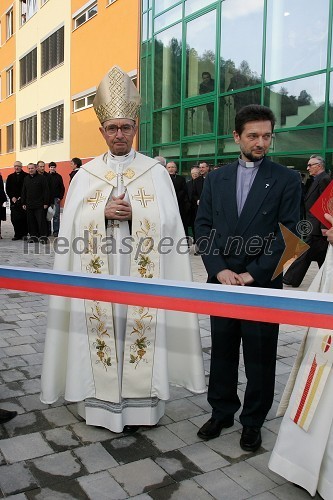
(318, 185)
(253, 241)
(197, 190)
(179, 184)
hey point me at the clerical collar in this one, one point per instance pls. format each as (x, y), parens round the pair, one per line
(249, 164)
(123, 158)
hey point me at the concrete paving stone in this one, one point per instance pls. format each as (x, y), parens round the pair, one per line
(10, 390)
(177, 465)
(2, 353)
(264, 496)
(272, 412)
(12, 375)
(249, 478)
(290, 492)
(285, 351)
(25, 316)
(33, 359)
(32, 402)
(11, 305)
(90, 434)
(165, 420)
(31, 386)
(201, 401)
(61, 439)
(101, 486)
(186, 490)
(268, 439)
(185, 430)
(281, 368)
(163, 439)
(25, 323)
(59, 416)
(144, 496)
(32, 371)
(95, 458)
(273, 425)
(4, 343)
(204, 457)
(19, 448)
(19, 496)
(25, 331)
(7, 332)
(221, 486)
(206, 342)
(131, 448)
(140, 477)
(12, 406)
(200, 420)
(227, 445)
(178, 393)
(39, 347)
(27, 339)
(16, 478)
(11, 318)
(26, 423)
(260, 462)
(68, 490)
(39, 321)
(181, 409)
(56, 468)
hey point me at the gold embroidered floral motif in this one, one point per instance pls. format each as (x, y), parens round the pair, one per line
(91, 239)
(95, 265)
(141, 328)
(97, 321)
(146, 245)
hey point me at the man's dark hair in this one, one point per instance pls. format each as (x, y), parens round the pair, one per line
(77, 161)
(206, 73)
(52, 164)
(253, 113)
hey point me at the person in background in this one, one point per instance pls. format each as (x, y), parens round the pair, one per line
(76, 164)
(161, 159)
(57, 193)
(195, 173)
(14, 185)
(179, 183)
(3, 199)
(35, 200)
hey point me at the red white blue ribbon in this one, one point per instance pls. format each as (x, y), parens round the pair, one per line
(250, 303)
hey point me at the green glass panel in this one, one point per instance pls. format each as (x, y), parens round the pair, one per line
(194, 5)
(169, 17)
(199, 120)
(330, 137)
(150, 24)
(296, 162)
(143, 89)
(231, 104)
(298, 102)
(200, 55)
(144, 5)
(301, 140)
(161, 5)
(241, 56)
(169, 152)
(143, 137)
(330, 104)
(144, 27)
(167, 67)
(227, 146)
(166, 126)
(296, 42)
(198, 150)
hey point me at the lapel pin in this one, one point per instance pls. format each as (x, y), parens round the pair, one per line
(267, 185)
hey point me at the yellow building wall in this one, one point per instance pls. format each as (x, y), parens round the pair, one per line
(7, 104)
(110, 37)
(49, 89)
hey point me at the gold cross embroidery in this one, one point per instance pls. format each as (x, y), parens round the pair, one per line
(129, 173)
(99, 198)
(110, 175)
(142, 197)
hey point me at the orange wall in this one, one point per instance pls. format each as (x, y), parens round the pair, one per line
(111, 37)
(7, 104)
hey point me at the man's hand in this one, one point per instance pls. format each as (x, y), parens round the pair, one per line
(24, 207)
(45, 206)
(14, 200)
(118, 209)
(329, 232)
(228, 277)
(248, 280)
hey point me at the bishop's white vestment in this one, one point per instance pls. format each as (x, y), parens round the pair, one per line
(303, 453)
(117, 360)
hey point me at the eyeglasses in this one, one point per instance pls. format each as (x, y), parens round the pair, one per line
(126, 129)
(313, 164)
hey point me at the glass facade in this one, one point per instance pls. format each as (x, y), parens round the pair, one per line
(202, 60)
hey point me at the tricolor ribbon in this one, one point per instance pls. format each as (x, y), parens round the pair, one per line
(250, 303)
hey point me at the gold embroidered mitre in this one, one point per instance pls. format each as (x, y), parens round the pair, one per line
(116, 97)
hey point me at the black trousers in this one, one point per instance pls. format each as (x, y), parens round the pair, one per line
(19, 220)
(259, 342)
(37, 223)
(316, 253)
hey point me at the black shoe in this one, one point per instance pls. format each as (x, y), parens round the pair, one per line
(130, 429)
(6, 415)
(212, 429)
(251, 439)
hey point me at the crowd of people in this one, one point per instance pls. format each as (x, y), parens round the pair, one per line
(34, 197)
(122, 358)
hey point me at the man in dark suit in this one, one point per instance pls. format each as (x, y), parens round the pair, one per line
(195, 172)
(239, 237)
(14, 187)
(316, 241)
(179, 184)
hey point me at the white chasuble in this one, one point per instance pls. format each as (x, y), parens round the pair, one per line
(303, 453)
(115, 357)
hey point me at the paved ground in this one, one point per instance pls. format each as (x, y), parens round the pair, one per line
(48, 452)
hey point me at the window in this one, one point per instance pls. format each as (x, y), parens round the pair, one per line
(85, 15)
(10, 138)
(112, 1)
(53, 50)
(28, 132)
(84, 102)
(28, 9)
(10, 81)
(53, 124)
(10, 23)
(28, 68)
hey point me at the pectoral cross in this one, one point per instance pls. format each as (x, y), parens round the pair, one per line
(142, 197)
